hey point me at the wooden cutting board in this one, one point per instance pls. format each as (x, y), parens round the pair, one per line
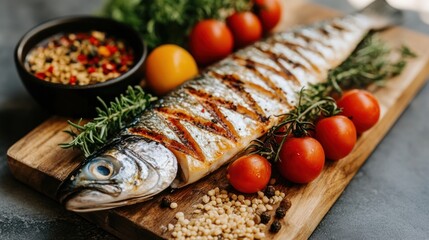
(37, 160)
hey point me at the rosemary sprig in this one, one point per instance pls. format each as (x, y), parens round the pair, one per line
(110, 119)
(373, 62)
(298, 122)
(370, 63)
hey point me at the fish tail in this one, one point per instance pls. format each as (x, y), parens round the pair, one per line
(382, 15)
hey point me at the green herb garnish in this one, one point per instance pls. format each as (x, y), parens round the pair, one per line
(109, 121)
(370, 63)
(169, 21)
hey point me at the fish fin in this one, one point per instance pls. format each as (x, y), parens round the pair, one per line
(382, 15)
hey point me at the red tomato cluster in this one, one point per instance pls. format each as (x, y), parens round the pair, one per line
(301, 160)
(336, 135)
(211, 40)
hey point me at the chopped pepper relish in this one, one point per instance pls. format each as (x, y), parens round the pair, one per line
(80, 58)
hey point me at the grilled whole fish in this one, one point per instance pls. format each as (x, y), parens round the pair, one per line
(208, 120)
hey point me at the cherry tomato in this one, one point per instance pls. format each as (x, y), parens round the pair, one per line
(249, 174)
(301, 159)
(210, 41)
(245, 27)
(361, 107)
(337, 135)
(168, 66)
(269, 12)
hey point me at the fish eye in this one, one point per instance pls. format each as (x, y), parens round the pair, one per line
(101, 170)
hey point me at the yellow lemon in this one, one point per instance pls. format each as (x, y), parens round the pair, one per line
(167, 67)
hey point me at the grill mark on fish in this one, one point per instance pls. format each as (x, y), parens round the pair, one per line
(213, 109)
(200, 122)
(269, 94)
(290, 75)
(294, 64)
(339, 27)
(161, 138)
(186, 138)
(236, 84)
(279, 93)
(333, 31)
(303, 37)
(309, 39)
(294, 47)
(323, 31)
(284, 73)
(206, 97)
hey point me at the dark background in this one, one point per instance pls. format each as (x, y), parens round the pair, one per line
(387, 199)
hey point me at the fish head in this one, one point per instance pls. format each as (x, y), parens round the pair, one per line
(129, 170)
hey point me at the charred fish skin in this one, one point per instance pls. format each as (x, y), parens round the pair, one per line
(208, 120)
(130, 170)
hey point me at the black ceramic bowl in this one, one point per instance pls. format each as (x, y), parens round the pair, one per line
(78, 101)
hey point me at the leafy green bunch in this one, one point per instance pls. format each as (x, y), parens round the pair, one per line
(169, 21)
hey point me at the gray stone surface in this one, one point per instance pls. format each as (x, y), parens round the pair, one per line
(387, 199)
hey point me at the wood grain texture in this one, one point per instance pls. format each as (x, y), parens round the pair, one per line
(37, 160)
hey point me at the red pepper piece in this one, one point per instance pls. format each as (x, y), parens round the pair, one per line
(91, 69)
(40, 75)
(112, 49)
(94, 41)
(126, 59)
(81, 58)
(72, 80)
(108, 67)
(130, 58)
(94, 60)
(80, 36)
(50, 69)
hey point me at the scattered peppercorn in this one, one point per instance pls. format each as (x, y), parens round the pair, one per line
(280, 212)
(275, 226)
(265, 217)
(165, 202)
(285, 203)
(269, 191)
